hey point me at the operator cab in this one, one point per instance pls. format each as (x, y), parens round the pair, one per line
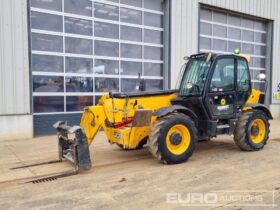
(215, 87)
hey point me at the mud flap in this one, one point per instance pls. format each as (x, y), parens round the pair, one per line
(75, 150)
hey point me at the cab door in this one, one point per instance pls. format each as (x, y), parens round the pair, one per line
(243, 84)
(220, 93)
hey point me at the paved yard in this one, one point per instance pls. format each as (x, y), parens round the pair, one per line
(135, 180)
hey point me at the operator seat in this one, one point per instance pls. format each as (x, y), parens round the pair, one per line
(228, 83)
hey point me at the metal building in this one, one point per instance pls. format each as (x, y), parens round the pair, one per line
(58, 56)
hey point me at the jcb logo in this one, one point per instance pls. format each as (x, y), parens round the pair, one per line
(118, 135)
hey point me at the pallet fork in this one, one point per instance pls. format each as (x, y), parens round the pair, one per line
(75, 150)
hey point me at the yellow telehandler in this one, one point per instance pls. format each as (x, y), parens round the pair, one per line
(215, 96)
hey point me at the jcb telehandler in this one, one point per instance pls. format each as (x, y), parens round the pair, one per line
(215, 96)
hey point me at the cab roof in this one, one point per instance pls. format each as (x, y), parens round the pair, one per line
(214, 55)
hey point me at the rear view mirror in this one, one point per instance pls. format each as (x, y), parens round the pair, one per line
(261, 77)
(186, 58)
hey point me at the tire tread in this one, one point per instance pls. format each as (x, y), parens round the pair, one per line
(156, 130)
(240, 132)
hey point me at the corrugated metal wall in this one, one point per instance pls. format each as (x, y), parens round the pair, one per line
(14, 69)
(185, 22)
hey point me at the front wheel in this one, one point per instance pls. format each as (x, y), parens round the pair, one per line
(252, 131)
(173, 138)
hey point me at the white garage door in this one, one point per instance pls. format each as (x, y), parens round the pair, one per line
(83, 48)
(222, 32)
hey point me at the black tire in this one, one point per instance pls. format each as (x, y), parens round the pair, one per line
(157, 138)
(242, 132)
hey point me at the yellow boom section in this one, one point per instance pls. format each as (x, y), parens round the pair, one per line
(110, 111)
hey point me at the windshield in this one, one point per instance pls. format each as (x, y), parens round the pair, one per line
(178, 83)
(194, 77)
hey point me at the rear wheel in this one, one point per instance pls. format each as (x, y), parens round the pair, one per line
(173, 138)
(252, 131)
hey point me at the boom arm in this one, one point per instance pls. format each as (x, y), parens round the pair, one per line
(118, 117)
(92, 120)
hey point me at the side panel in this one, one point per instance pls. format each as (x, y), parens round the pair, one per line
(118, 108)
(129, 137)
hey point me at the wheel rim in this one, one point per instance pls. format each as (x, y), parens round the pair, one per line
(175, 144)
(257, 131)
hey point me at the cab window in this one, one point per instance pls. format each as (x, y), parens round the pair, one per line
(223, 76)
(243, 77)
